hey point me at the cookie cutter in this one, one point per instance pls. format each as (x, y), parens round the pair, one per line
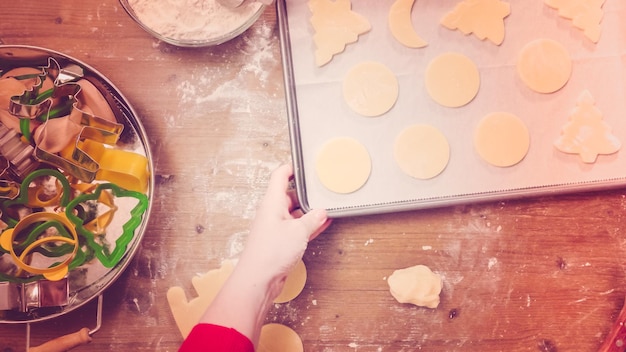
(126, 169)
(83, 158)
(35, 225)
(33, 196)
(26, 296)
(17, 155)
(109, 259)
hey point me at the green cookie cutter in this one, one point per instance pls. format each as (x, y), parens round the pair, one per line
(24, 199)
(107, 259)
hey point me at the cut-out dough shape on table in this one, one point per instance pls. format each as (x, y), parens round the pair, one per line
(335, 26)
(452, 79)
(502, 139)
(294, 284)
(544, 65)
(370, 89)
(400, 24)
(416, 285)
(421, 151)
(343, 165)
(484, 18)
(586, 15)
(279, 338)
(586, 133)
(188, 313)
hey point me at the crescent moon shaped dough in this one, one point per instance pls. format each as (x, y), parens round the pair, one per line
(502, 139)
(370, 89)
(421, 151)
(343, 165)
(279, 338)
(400, 24)
(544, 65)
(294, 284)
(452, 79)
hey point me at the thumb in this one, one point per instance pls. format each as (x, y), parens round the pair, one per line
(314, 222)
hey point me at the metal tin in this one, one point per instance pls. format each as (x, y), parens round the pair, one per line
(89, 280)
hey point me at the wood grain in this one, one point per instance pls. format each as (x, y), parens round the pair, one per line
(541, 274)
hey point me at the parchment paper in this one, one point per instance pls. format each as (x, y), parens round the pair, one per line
(322, 114)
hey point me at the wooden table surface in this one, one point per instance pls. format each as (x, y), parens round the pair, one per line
(542, 274)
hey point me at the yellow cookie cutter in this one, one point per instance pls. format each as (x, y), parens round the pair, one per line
(126, 169)
(52, 273)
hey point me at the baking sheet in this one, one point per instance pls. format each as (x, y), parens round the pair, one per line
(318, 113)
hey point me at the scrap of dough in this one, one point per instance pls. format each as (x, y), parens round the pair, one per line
(335, 25)
(421, 151)
(452, 79)
(400, 24)
(370, 89)
(544, 65)
(585, 133)
(416, 285)
(502, 139)
(294, 284)
(279, 338)
(343, 165)
(484, 18)
(188, 313)
(585, 15)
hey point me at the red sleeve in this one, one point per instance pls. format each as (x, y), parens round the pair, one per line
(209, 337)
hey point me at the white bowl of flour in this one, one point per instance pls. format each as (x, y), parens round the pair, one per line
(192, 23)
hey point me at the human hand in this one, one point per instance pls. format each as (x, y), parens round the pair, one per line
(280, 231)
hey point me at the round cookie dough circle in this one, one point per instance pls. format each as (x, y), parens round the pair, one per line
(294, 284)
(279, 338)
(452, 79)
(502, 139)
(343, 165)
(421, 151)
(544, 65)
(370, 89)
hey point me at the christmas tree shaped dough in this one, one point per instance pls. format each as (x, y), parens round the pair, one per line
(335, 25)
(585, 15)
(416, 285)
(400, 24)
(586, 133)
(484, 18)
(188, 313)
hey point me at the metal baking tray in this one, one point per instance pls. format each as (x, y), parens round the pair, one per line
(317, 112)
